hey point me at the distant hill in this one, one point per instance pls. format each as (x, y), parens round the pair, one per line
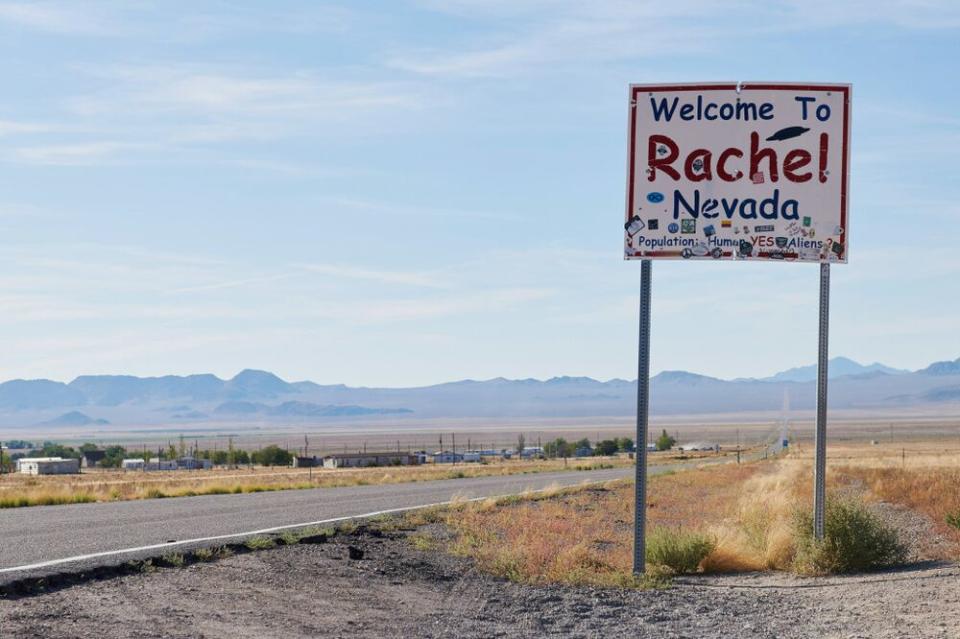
(303, 409)
(262, 397)
(943, 368)
(838, 367)
(75, 418)
(113, 390)
(22, 394)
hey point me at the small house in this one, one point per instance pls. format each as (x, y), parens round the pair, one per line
(48, 466)
(446, 457)
(307, 462)
(362, 460)
(92, 458)
(156, 463)
(193, 463)
(699, 446)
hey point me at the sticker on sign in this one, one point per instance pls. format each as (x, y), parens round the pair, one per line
(770, 159)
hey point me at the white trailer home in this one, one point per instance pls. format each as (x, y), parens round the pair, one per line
(48, 466)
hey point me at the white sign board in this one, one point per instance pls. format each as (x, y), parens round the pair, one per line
(749, 172)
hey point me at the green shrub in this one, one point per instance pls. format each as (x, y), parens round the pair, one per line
(212, 554)
(290, 537)
(954, 519)
(422, 542)
(174, 560)
(855, 539)
(260, 543)
(204, 554)
(678, 550)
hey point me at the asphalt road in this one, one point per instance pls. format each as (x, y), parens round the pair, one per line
(43, 540)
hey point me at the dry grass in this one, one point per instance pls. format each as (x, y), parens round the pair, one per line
(46, 498)
(919, 455)
(923, 476)
(931, 490)
(585, 536)
(759, 533)
(721, 519)
(26, 490)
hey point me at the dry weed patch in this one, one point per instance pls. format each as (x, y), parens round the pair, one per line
(720, 519)
(21, 490)
(584, 536)
(931, 490)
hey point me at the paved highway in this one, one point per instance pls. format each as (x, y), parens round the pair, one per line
(43, 540)
(46, 539)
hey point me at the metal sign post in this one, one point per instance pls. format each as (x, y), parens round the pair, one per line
(643, 412)
(737, 171)
(820, 464)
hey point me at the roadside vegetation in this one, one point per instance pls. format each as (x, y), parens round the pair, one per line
(728, 518)
(28, 490)
(933, 491)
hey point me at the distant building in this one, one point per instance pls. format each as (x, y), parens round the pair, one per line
(471, 456)
(192, 463)
(307, 462)
(92, 458)
(699, 446)
(446, 457)
(490, 452)
(532, 452)
(156, 463)
(583, 451)
(361, 460)
(48, 466)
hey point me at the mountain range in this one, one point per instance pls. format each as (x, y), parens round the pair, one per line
(107, 401)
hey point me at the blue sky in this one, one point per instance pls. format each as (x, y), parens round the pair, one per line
(404, 193)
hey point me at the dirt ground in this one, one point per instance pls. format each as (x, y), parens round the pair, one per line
(396, 590)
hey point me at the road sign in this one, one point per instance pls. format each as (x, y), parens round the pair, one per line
(743, 172)
(738, 171)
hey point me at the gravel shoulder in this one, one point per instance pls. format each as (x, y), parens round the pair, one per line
(396, 590)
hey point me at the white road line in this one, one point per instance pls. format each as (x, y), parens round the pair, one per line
(264, 531)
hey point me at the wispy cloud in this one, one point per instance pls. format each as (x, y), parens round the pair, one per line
(415, 210)
(394, 310)
(56, 17)
(9, 128)
(561, 34)
(237, 283)
(71, 154)
(187, 89)
(381, 276)
(125, 112)
(190, 22)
